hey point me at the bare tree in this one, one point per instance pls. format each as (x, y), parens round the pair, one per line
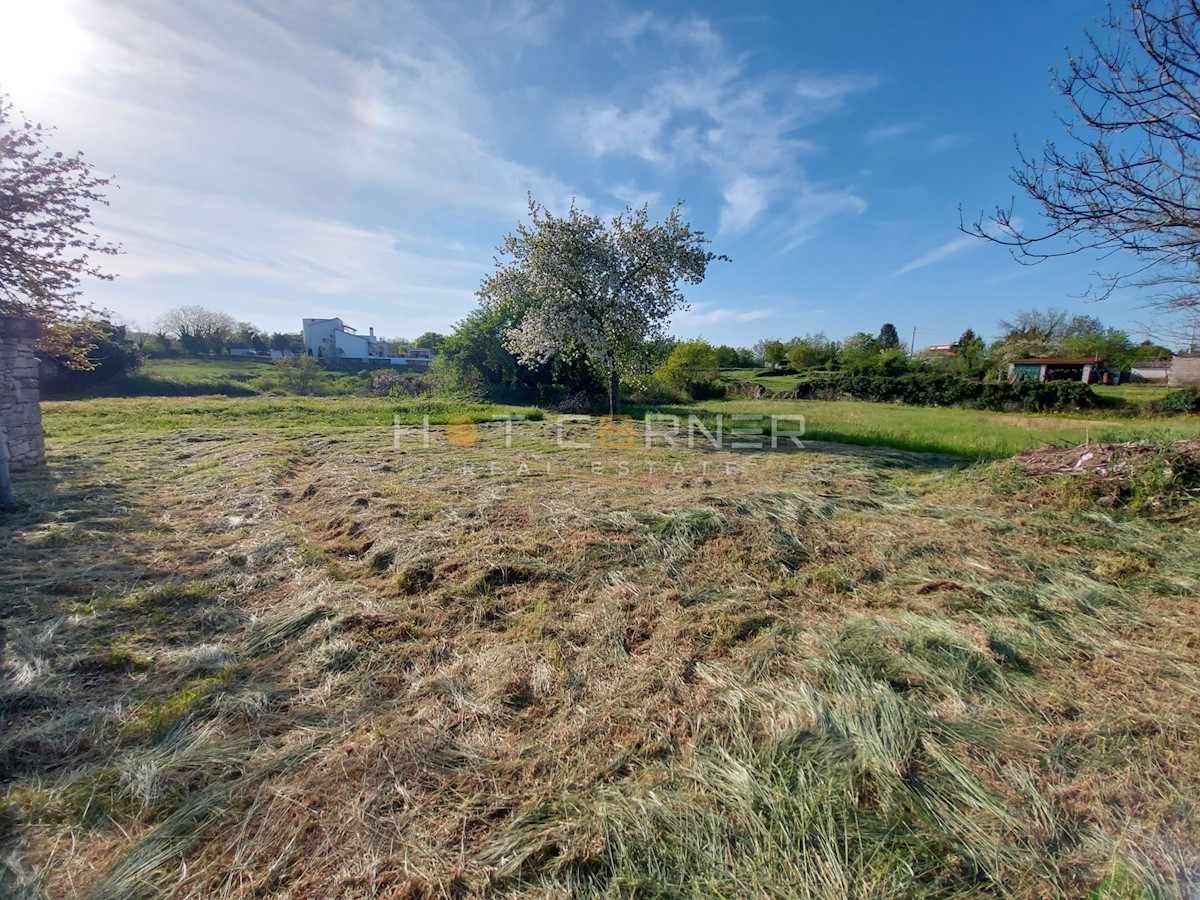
(1051, 325)
(1128, 179)
(198, 328)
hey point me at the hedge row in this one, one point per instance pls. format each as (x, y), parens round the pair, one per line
(947, 390)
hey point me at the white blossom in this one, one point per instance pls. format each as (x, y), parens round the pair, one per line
(597, 288)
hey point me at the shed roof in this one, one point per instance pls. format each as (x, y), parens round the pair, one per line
(1058, 361)
(1152, 364)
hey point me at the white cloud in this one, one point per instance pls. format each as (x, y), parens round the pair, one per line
(703, 314)
(745, 198)
(273, 268)
(633, 196)
(955, 245)
(813, 208)
(693, 30)
(629, 30)
(891, 130)
(946, 142)
(697, 106)
(607, 129)
(951, 247)
(183, 232)
(833, 89)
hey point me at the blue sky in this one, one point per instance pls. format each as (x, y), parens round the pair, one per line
(279, 159)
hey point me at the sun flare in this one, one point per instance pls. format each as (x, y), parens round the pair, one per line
(40, 43)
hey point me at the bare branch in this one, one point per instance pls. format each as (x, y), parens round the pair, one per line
(1127, 181)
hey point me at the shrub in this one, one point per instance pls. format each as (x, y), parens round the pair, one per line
(692, 369)
(704, 390)
(934, 389)
(390, 383)
(653, 391)
(300, 375)
(1184, 400)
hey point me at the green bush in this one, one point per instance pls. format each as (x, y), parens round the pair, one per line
(692, 369)
(704, 390)
(653, 391)
(935, 389)
(1184, 400)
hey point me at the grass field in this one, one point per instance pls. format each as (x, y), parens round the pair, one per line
(969, 433)
(237, 377)
(262, 650)
(976, 434)
(197, 370)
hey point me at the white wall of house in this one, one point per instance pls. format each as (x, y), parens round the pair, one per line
(1156, 373)
(332, 338)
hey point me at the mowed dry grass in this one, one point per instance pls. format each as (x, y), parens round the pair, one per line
(262, 663)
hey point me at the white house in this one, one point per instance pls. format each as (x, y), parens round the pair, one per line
(334, 339)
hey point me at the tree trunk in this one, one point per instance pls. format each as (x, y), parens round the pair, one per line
(614, 388)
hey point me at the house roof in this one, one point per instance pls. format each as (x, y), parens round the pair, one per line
(1058, 361)
(1152, 364)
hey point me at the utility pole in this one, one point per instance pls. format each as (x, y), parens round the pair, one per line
(912, 348)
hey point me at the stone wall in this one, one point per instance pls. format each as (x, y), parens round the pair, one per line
(1185, 370)
(20, 412)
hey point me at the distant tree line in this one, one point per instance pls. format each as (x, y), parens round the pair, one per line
(476, 359)
(89, 350)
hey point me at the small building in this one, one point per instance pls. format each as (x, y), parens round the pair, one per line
(1089, 371)
(1154, 371)
(1185, 370)
(242, 350)
(339, 346)
(333, 339)
(940, 350)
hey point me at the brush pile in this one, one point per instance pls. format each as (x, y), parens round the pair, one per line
(1109, 459)
(1139, 476)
